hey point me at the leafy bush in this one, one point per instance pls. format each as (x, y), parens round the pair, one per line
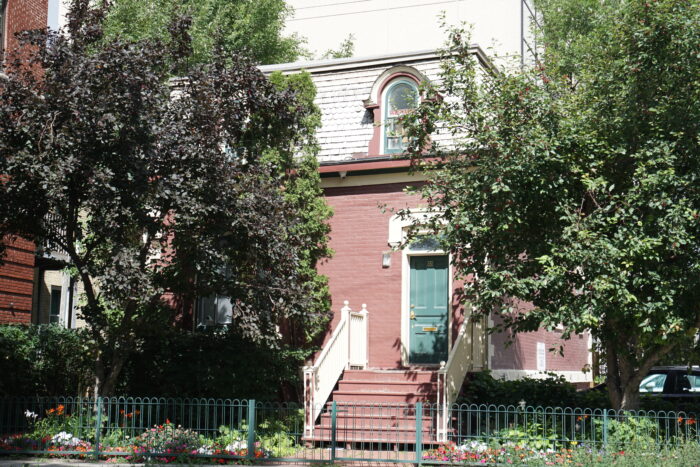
(482, 388)
(630, 433)
(553, 391)
(535, 436)
(44, 360)
(211, 363)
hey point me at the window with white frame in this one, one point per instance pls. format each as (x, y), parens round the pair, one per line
(400, 98)
(55, 304)
(3, 22)
(214, 310)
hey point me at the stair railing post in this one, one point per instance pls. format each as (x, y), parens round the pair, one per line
(365, 334)
(334, 426)
(345, 315)
(251, 429)
(309, 400)
(419, 433)
(442, 406)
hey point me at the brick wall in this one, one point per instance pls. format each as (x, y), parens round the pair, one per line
(17, 272)
(17, 282)
(22, 15)
(519, 352)
(359, 237)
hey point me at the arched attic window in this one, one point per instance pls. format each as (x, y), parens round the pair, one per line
(399, 97)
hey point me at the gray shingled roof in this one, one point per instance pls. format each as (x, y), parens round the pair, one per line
(342, 86)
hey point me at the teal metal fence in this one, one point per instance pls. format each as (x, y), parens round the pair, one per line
(234, 431)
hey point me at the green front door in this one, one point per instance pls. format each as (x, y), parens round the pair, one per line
(428, 308)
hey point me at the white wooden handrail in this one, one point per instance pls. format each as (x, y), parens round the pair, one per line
(451, 377)
(346, 347)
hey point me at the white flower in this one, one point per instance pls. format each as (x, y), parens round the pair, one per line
(29, 414)
(236, 445)
(65, 439)
(205, 450)
(473, 446)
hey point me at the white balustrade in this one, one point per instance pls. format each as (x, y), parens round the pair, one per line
(451, 377)
(346, 348)
(358, 338)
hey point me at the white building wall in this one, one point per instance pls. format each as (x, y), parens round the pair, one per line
(394, 26)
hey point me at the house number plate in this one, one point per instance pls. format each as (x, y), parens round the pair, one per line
(430, 329)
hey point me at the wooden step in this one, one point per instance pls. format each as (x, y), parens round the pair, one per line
(385, 376)
(367, 438)
(383, 397)
(393, 386)
(372, 422)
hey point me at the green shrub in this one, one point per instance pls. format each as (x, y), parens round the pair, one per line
(553, 391)
(44, 360)
(210, 363)
(630, 433)
(482, 388)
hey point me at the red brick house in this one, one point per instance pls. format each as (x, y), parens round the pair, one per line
(399, 333)
(17, 272)
(33, 287)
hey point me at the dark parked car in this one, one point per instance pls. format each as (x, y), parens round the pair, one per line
(673, 383)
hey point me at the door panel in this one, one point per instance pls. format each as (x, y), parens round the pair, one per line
(428, 309)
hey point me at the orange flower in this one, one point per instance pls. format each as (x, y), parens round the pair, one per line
(137, 412)
(121, 412)
(59, 409)
(690, 421)
(50, 411)
(680, 419)
(129, 415)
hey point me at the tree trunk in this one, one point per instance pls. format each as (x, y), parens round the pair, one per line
(630, 398)
(106, 380)
(623, 380)
(99, 374)
(110, 382)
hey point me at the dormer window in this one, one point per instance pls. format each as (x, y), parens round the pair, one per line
(400, 98)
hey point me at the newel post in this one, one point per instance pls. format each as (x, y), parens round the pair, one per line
(345, 311)
(442, 408)
(309, 390)
(365, 334)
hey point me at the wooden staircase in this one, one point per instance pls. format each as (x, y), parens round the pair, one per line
(378, 406)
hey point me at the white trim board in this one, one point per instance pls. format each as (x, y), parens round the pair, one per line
(373, 179)
(570, 376)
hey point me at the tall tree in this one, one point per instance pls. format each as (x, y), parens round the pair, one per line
(573, 185)
(250, 27)
(153, 185)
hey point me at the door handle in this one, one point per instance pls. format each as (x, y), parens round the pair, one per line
(413, 314)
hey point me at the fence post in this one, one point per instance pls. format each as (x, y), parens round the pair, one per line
(334, 426)
(251, 429)
(98, 427)
(605, 429)
(419, 433)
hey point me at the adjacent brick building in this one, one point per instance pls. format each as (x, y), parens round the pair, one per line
(17, 272)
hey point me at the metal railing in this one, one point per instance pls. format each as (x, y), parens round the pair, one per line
(227, 430)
